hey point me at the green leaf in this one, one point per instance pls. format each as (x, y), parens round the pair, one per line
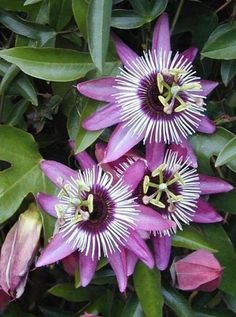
(13, 113)
(98, 24)
(205, 146)
(24, 176)
(80, 11)
(149, 10)
(21, 85)
(157, 7)
(85, 138)
(225, 202)
(227, 154)
(228, 71)
(147, 285)
(35, 31)
(221, 43)
(193, 239)
(27, 2)
(226, 255)
(177, 302)
(8, 77)
(16, 5)
(214, 313)
(68, 292)
(230, 301)
(60, 13)
(132, 308)
(126, 19)
(53, 64)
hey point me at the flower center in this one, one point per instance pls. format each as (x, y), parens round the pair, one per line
(171, 91)
(163, 188)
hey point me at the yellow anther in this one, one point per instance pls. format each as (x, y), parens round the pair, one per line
(90, 203)
(77, 218)
(160, 81)
(190, 86)
(157, 203)
(82, 186)
(59, 211)
(159, 169)
(163, 101)
(146, 184)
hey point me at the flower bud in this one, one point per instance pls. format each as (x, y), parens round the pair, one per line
(199, 270)
(89, 315)
(18, 251)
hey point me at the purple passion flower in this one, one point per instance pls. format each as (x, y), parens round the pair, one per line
(97, 216)
(156, 98)
(173, 187)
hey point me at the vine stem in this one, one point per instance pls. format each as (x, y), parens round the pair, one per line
(177, 15)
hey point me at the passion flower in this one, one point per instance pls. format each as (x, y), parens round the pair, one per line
(156, 97)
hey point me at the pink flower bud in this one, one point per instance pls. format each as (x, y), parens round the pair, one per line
(199, 270)
(89, 315)
(18, 251)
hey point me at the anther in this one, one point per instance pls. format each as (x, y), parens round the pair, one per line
(160, 81)
(146, 184)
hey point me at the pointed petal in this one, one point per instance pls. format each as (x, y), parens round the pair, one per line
(101, 89)
(206, 126)
(161, 35)
(134, 174)
(213, 185)
(85, 161)
(47, 203)
(57, 249)
(58, 173)
(205, 213)
(154, 154)
(190, 53)
(87, 268)
(126, 54)
(162, 250)
(121, 141)
(136, 244)
(131, 262)
(117, 261)
(71, 263)
(150, 220)
(104, 117)
(190, 153)
(207, 86)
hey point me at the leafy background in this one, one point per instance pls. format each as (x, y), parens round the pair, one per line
(47, 46)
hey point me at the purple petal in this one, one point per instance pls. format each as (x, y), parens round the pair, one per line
(213, 185)
(126, 54)
(58, 173)
(85, 161)
(205, 213)
(104, 117)
(154, 154)
(161, 35)
(136, 244)
(117, 261)
(190, 153)
(207, 86)
(206, 126)
(87, 268)
(56, 250)
(47, 203)
(71, 263)
(190, 53)
(131, 262)
(162, 250)
(101, 89)
(134, 174)
(121, 141)
(150, 220)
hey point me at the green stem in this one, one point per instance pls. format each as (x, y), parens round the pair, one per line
(177, 15)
